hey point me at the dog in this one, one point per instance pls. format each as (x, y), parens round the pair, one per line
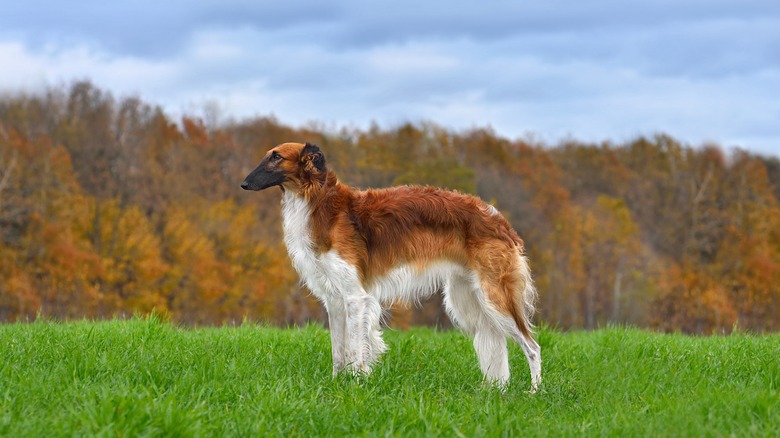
(357, 249)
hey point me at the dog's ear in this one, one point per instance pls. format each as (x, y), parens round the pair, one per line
(312, 159)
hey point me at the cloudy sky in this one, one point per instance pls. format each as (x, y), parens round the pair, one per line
(702, 71)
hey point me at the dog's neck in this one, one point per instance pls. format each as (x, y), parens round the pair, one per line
(317, 191)
(298, 205)
(299, 209)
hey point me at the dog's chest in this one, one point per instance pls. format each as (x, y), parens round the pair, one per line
(297, 238)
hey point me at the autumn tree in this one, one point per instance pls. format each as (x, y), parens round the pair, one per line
(108, 206)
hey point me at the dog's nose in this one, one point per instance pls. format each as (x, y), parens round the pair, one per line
(245, 185)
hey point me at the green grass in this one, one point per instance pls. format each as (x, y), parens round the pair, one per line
(144, 377)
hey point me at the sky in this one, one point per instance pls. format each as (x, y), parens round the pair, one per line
(703, 71)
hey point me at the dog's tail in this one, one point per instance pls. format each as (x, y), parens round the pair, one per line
(525, 297)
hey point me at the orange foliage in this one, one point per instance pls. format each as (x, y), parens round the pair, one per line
(108, 207)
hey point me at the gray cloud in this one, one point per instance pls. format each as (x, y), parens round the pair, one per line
(149, 28)
(701, 70)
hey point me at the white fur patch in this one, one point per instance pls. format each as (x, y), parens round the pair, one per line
(407, 283)
(297, 238)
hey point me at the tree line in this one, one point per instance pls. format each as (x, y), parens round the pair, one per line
(108, 206)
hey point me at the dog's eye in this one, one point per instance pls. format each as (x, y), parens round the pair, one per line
(275, 156)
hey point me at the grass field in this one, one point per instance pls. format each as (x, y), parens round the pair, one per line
(146, 377)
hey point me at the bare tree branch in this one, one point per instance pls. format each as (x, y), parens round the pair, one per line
(7, 172)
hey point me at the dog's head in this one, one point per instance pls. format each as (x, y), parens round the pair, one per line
(291, 166)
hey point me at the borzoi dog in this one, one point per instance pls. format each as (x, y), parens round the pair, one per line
(355, 249)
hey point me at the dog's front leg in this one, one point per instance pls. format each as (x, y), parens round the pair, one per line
(365, 343)
(342, 283)
(337, 321)
(357, 345)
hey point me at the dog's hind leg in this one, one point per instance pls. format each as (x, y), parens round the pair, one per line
(490, 345)
(461, 303)
(533, 354)
(469, 310)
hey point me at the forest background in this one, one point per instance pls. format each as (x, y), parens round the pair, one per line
(110, 207)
